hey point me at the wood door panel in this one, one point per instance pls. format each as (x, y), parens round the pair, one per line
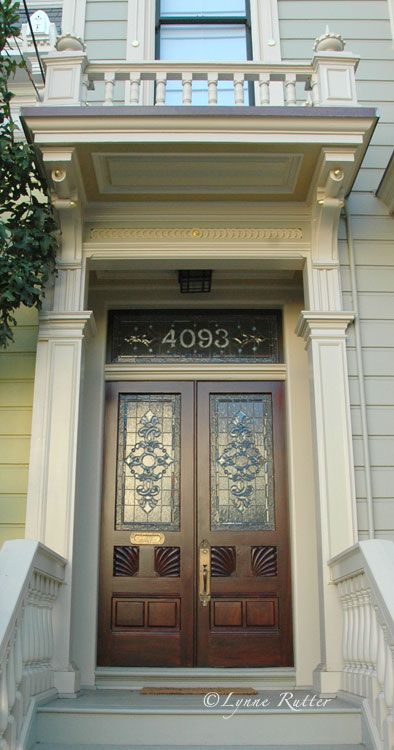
(149, 610)
(248, 620)
(146, 604)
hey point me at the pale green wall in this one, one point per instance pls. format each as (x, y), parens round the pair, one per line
(366, 28)
(17, 365)
(106, 29)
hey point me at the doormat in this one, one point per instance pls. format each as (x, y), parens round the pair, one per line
(197, 691)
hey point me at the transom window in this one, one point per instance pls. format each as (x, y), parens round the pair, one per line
(203, 31)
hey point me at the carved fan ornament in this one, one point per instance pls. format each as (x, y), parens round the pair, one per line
(126, 561)
(168, 561)
(223, 561)
(265, 561)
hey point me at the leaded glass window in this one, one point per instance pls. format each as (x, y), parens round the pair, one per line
(148, 464)
(242, 485)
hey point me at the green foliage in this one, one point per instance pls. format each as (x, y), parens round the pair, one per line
(27, 226)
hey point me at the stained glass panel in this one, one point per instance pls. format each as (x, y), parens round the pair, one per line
(242, 491)
(148, 470)
(195, 336)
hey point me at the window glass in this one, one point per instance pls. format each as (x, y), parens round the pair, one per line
(203, 31)
(208, 8)
(225, 43)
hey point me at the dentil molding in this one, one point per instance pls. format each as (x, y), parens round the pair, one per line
(182, 234)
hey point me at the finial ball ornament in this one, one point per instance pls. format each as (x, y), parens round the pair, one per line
(69, 43)
(329, 42)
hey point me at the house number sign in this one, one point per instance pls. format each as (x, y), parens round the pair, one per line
(194, 335)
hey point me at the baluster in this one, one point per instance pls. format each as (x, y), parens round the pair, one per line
(85, 87)
(366, 643)
(264, 87)
(239, 79)
(381, 710)
(388, 732)
(345, 636)
(10, 670)
(3, 703)
(213, 88)
(360, 639)
(315, 94)
(290, 89)
(187, 80)
(135, 80)
(161, 86)
(109, 85)
(353, 681)
(373, 650)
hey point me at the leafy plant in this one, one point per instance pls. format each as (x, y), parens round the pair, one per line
(28, 241)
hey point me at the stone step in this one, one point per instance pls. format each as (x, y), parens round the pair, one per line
(137, 677)
(110, 718)
(45, 746)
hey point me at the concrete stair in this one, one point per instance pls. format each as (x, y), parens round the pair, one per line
(126, 720)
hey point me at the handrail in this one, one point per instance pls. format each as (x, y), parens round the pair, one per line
(364, 576)
(30, 577)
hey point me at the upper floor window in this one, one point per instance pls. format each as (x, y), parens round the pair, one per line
(203, 31)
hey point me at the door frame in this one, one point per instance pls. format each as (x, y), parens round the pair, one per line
(302, 505)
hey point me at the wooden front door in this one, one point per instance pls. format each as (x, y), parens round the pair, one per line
(195, 567)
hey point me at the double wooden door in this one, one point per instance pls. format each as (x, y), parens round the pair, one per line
(194, 567)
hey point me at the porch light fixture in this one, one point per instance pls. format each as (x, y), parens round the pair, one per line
(195, 282)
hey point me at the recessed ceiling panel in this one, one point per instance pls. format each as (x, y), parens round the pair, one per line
(190, 174)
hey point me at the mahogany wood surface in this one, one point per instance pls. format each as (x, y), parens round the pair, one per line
(149, 612)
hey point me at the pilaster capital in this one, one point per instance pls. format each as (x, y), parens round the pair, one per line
(323, 325)
(66, 325)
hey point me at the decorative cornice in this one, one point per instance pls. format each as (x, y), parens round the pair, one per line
(66, 325)
(316, 324)
(182, 234)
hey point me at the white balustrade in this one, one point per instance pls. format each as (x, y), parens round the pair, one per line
(30, 577)
(251, 78)
(364, 576)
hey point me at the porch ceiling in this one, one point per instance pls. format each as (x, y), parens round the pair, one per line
(147, 153)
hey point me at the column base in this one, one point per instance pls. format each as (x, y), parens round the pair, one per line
(67, 682)
(327, 682)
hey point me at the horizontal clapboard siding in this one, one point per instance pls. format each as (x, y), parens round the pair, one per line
(365, 25)
(106, 30)
(16, 397)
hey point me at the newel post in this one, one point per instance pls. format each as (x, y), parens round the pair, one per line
(333, 78)
(66, 82)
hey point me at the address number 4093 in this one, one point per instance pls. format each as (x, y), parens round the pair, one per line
(203, 338)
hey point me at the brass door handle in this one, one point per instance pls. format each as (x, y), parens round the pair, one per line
(205, 573)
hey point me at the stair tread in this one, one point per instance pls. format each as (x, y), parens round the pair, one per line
(132, 701)
(50, 746)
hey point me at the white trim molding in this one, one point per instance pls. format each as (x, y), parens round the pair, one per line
(325, 337)
(190, 371)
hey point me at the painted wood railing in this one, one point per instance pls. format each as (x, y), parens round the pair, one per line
(186, 74)
(328, 80)
(364, 576)
(30, 577)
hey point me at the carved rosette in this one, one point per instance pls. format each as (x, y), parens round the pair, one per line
(265, 561)
(126, 561)
(168, 561)
(223, 561)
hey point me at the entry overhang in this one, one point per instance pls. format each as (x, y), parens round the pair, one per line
(164, 153)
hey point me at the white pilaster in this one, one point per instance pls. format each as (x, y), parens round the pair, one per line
(63, 332)
(325, 335)
(52, 475)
